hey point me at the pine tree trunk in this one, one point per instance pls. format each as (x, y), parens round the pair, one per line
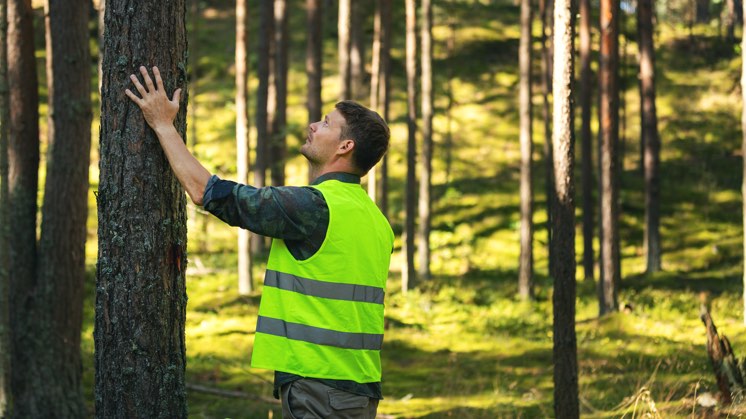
(650, 133)
(408, 272)
(566, 404)
(730, 20)
(609, 135)
(278, 147)
(743, 152)
(265, 39)
(375, 87)
(343, 27)
(357, 50)
(383, 98)
(23, 160)
(314, 63)
(140, 292)
(57, 303)
(5, 338)
(586, 91)
(426, 163)
(545, 8)
(100, 23)
(242, 141)
(526, 262)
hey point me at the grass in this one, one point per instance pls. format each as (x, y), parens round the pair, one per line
(463, 344)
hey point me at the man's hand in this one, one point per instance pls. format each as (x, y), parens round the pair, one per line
(158, 110)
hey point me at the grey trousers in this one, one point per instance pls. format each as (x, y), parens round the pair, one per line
(310, 399)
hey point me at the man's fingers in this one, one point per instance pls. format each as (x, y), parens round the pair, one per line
(177, 96)
(158, 79)
(132, 96)
(138, 86)
(148, 80)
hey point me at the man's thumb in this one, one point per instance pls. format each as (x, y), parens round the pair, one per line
(177, 96)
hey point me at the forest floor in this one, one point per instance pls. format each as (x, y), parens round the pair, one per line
(463, 345)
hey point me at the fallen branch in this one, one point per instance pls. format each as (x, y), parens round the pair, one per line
(229, 393)
(724, 363)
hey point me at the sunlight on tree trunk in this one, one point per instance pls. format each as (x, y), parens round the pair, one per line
(545, 9)
(526, 260)
(343, 50)
(586, 91)
(314, 64)
(375, 82)
(408, 271)
(426, 162)
(242, 141)
(278, 144)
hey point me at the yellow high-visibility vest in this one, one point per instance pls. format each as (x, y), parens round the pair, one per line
(323, 317)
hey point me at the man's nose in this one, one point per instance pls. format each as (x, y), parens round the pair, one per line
(312, 126)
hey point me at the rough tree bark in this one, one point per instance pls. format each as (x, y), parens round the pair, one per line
(408, 271)
(5, 338)
(608, 159)
(649, 123)
(140, 293)
(242, 141)
(526, 262)
(586, 91)
(23, 160)
(566, 404)
(426, 162)
(265, 39)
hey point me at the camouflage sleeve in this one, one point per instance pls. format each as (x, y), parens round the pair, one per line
(284, 212)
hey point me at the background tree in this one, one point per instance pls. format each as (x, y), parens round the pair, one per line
(525, 270)
(566, 404)
(408, 273)
(586, 91)
(140, 289)
(375, 81)
(242, 141)
(357, 49)
(545, 9)
(265, 38)
(426, 162)
(608, 159)
(314, 64)
(343, 50)
(23, 160)
(649, 131)
(743, 153)
(278, 147)
(5, 336)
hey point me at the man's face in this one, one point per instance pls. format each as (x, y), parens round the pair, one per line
(323, 138)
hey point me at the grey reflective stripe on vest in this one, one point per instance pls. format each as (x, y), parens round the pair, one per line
(318, 335)
(332, 290)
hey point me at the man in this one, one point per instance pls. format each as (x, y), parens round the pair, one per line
(320, 324)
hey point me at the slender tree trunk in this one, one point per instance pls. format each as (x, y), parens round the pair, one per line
(526, 262)
(450, 47)
(314, 64)
(101, 13)
(426, 78)
(278, 148)
(5, 336)
(408, 272)
(383, 98)
(566, 404)
(545, 8)
(743, 152)
(57, 304)
(375, 86)
(357, 50)
(609, 134)
(23, 160)
(586, 91)
(650, 133)
(264, 41)
(343, 27)
(242, 141)
(140, 291)
(730, 20)
(199, 221)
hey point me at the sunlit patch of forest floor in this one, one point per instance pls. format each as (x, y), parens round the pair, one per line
(462, 344)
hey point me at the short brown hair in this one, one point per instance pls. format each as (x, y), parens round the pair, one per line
(367, 130)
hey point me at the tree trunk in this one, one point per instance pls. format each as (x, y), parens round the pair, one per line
(264, 41)
(5, 337)
(566, 404)
(383, 98)
(609, 135)
(242, 141)
(650, 133)
(426, 163)
(140, 291)
(314, 64)
(23, 160)
(57, 303)
(586, 91)
(278, 148)
(730, 20)
(408, 272)
(375, 86)
(100, 23)
(343, 50)
(545, 8)
(357, 50)
(743, 153)
(526, 262)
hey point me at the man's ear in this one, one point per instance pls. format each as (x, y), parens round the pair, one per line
(346, 146)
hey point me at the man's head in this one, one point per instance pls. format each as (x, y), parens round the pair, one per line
(353, 132)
